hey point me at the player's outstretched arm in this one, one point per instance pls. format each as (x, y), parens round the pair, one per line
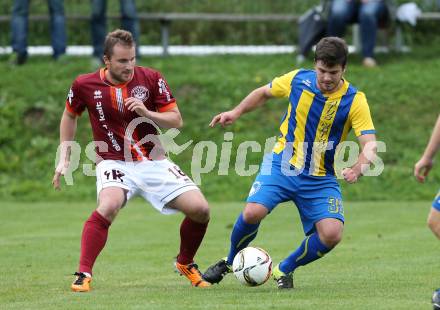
(365, 158)
(425, 163)
(67, 133)
(252, 101)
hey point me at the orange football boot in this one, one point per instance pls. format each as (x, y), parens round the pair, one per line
(191, 271)
(82, 283)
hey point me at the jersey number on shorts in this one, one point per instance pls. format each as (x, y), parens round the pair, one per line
(335, 205)
(116, 175)
(177, 172)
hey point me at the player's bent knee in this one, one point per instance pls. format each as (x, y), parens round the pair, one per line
(109, 209)
(330, 231)
(330, 240)
(430, 223)
(254, 213)
(434, 221)
(434, 225)
(199, 211)
(202, 212)
(330, 237)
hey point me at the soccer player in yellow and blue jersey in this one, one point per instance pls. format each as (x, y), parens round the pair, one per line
(421, 171)
(322, 108)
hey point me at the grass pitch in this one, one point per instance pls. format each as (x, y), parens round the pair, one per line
(388, 259)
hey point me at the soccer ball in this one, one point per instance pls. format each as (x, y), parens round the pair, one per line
(436, 299)
(252, 266)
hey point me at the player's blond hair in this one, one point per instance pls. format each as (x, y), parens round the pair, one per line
(118, 36)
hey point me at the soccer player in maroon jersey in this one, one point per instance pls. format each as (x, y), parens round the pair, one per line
(124, 102)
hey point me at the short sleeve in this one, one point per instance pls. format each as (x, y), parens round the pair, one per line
(164, 99)
(360, 117)
(281, 86)
(74, 104)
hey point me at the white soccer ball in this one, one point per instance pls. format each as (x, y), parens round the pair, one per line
(252, 266)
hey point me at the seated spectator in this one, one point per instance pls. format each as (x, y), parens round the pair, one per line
(368, 13)
(129, 22)
(19, 29)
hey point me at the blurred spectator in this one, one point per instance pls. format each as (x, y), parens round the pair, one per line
(19, 29)
(368, 13)
(129, 22)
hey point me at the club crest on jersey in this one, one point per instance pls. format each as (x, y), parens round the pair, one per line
(140, 92)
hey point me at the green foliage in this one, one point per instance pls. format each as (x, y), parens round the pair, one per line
(387, 260)
(403, 95)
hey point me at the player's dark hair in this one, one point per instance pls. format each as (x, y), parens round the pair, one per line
(332, 51)
(118, 36)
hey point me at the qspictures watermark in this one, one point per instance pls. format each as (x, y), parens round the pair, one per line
(208, 155)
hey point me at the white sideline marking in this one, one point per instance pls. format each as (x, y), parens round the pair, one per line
(157, 50)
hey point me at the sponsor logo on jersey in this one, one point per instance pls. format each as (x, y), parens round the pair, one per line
(307, 83)
(97, 94)
(140, 92)
(100, 111)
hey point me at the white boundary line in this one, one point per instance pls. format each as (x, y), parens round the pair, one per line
(157, 50)
(82, 50)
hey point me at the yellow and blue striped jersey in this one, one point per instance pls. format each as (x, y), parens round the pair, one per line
(315, 122)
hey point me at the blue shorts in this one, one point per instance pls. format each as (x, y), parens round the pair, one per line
(436, 202)
(316, 197)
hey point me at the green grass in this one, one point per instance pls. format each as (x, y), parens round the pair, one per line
(388, 259)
